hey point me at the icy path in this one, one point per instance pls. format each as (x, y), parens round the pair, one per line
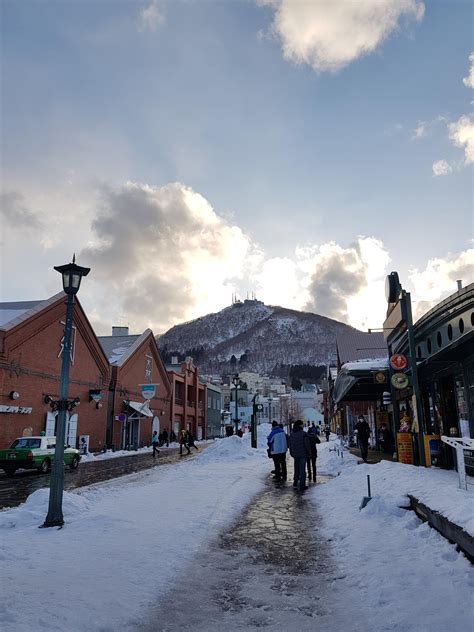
(271, 569)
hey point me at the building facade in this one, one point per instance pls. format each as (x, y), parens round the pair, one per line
(188, 402)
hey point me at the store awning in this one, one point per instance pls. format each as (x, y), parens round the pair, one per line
(140, 407)
(355, 381)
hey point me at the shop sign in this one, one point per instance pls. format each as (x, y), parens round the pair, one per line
(399, 381)
(148, 390)
(22, 410)
(398, 362)
(380, 377)
(405, 447)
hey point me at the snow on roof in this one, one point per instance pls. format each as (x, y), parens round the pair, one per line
(369, 364)
(115, 347)
(10, 311)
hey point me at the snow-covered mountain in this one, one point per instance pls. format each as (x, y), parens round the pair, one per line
(260, 337)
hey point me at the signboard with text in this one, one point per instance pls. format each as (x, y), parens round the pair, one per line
(405, 447)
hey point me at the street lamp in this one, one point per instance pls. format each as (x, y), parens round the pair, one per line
(236, 382)
(72, 275)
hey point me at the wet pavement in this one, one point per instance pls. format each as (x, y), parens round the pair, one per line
(272, 569)
(15, 490)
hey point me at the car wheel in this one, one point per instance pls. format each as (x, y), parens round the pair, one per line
(74, 463)
(44, 467)
(10, 471)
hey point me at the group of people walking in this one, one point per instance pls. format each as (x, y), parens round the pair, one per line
(185, 439)
(303, 449)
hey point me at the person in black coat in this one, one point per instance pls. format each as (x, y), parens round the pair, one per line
(311, 460)
(363, 434)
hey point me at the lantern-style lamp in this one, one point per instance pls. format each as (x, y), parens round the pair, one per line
(72, 275)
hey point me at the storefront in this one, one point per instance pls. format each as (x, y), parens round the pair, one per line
(444, 348)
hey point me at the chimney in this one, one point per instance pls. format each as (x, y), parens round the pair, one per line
(459, 282)
(119, 331)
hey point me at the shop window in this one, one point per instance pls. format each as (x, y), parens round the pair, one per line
(450, 332)
(439, 339)
(461, 326)
(428, 345)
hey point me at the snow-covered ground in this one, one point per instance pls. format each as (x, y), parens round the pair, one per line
(126, 541)
(103, 456)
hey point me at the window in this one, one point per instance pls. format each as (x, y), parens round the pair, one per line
(461, 326)
(428, 345)
(439, 339)
(26, 442)
(450, 332)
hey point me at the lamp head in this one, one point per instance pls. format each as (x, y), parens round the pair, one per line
(72, 275)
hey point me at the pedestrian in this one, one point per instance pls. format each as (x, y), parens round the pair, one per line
(183, 436)
(327, 432)
(165, 438)
(172, 436)
(300, 450)
(278, 446)
(385, 438)
(311, 460)
(363, 434)
(190, 441)
(239, 433)
(154, 443)
(312, 429)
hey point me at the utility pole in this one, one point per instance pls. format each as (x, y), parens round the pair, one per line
(418, 410)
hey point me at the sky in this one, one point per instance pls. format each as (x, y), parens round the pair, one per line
(126, 562)
(189, 150)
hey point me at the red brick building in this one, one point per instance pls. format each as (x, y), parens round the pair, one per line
(188, 405)
(31, 335)
(135, 361)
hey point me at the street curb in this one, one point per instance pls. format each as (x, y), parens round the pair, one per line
(452, 532)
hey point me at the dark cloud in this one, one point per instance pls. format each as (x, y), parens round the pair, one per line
(339, 274)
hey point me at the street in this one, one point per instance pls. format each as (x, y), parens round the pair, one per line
(15, 490)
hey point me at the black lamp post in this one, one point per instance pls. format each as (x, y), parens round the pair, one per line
(236, 382)
(72, 275)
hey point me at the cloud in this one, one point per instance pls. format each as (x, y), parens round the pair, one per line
(462, 134)
(469, 80)
(163, 254)
(420, 130)
(151, 17)
(347, 283)
(441, 168)
(15, 212)
(438, 279)
(330, 34)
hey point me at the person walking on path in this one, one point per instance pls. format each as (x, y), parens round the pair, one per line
(278, 446)
(312, 429)
(327, 432)
(363, 434)
(311, 460)
(172, 436)
(191, 443)
(183, 437)
(300, 450)
(154, 443)
(165, 438)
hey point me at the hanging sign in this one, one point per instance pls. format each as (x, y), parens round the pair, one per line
(399, 381)
(380, 377)
(398, 362)
(148, 390)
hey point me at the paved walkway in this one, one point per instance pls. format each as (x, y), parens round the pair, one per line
(271, 569)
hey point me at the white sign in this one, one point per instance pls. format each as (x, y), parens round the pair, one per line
(148, 390)
(16, 409)
(84, 444)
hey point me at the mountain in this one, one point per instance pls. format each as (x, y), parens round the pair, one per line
(252, 336)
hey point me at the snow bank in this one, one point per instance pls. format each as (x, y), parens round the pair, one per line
(123, 543)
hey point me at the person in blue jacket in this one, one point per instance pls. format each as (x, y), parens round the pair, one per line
(278, 446)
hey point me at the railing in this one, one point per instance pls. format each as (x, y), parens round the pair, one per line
(462, 445)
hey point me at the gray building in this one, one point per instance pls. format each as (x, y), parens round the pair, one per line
(214, 408)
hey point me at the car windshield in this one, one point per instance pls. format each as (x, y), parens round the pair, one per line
(26, 442)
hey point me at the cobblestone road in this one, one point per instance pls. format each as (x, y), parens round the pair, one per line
(272, 569)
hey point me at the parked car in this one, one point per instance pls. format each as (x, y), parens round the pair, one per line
(32, 453)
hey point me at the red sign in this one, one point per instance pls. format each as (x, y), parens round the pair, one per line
(398, 362)
(405, 448)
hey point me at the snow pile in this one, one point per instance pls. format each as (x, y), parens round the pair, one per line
(386, 556)
(101, 456)
(124, 541)
(438, 489)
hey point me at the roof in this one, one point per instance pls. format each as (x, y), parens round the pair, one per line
(358, 345)
(14, 312)
(115, 347)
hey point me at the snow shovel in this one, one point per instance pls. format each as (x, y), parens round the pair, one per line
(365, 500)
